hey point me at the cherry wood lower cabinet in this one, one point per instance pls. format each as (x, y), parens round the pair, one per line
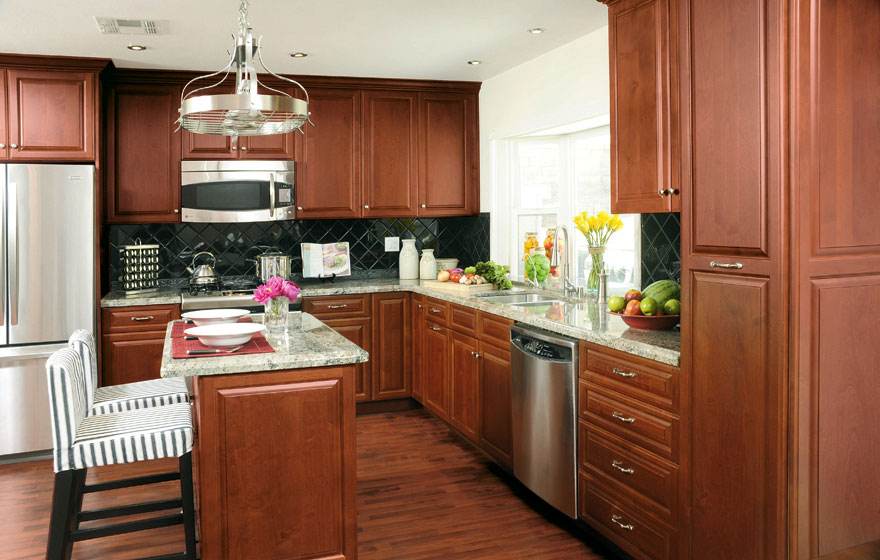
(629, 440)
(276, 464)
(360, 331)
(418, 346)
(437, 341)
(464, 387)
(132, 339)
(390, 356)
(493, 407)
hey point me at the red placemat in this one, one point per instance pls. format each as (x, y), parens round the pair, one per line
(179, 327)
(257, 345)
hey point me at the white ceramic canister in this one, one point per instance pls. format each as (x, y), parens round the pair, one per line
(409, 260)
(428, 265)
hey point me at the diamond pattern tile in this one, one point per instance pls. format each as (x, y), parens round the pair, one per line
(661, 247)
(466, 238)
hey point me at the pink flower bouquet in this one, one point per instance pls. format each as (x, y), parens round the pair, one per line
(276, 295)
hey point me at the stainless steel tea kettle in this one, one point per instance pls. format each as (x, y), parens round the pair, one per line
(202, 274)
(272, 263)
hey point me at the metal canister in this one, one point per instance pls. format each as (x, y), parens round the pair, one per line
(273, 263)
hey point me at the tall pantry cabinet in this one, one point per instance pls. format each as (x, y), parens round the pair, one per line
(774, 140)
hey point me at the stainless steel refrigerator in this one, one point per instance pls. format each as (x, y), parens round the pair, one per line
(47, 282)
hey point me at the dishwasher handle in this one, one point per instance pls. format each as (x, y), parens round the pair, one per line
(540, 349)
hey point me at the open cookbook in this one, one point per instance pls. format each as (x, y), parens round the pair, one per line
(322, 260)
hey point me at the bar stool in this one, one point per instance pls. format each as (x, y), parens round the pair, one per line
(82, 441)
(129, 396)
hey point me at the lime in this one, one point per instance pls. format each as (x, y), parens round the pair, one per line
(616, 304)
(672, 307)
(648, 306)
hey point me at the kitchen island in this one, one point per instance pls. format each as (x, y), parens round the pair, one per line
(275, 445)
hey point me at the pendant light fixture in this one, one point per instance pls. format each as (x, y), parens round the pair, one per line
(245, 112)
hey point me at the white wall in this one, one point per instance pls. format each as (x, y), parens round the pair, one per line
(565, 85)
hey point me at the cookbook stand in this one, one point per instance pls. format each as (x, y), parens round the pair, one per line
(332, 278)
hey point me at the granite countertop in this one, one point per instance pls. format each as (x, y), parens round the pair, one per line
(308, 343)
(583, 320)
(162, 296)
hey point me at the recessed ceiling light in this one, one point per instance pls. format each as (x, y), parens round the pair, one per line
(137, 48)
(475, 62)
(536, 30)
(299, 54)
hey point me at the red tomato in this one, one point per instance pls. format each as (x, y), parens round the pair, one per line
(455, 277)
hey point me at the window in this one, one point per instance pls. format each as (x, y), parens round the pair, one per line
(549, 180)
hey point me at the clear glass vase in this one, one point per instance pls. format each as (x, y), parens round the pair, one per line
(275, 317)
(597, 256)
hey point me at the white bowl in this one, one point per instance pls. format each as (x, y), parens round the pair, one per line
(214, 316)
(225, 334)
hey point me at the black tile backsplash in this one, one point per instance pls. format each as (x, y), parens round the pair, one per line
(466, 238)
(661, 247)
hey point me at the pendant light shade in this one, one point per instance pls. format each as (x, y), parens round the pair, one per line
(244, 112)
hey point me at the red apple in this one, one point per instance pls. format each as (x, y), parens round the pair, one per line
(633, 308)
(632, 295)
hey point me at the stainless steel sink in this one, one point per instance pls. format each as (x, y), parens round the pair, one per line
(518, 299)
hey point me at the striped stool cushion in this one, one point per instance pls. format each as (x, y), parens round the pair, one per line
(130, 396)
(133, 435)
(143, 394)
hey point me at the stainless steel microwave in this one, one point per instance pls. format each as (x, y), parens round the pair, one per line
(237, 191)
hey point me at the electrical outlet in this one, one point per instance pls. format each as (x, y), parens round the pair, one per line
(392, 244)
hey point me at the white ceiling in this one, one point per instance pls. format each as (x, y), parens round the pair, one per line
(429, 39)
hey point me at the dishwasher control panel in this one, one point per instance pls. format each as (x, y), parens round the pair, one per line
(543, 350)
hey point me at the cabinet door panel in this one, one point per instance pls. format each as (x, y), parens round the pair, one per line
(418, 344)
(328, 167)
(207, 146)
(390, 154)
(643, 107)
(734, 111)
(448, 153)
(4, 129)
(51, 115)
(737, 437)
(495, 424)
(436, 363)
(144, 164)
(464, 380)
(357, 330)
(390, 359)
(279, 147)
(131, 357)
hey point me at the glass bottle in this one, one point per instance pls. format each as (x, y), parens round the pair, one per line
(531, 243)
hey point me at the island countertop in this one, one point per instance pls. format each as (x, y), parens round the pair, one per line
(309, 343)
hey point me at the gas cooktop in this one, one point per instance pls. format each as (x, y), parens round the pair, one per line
(227, 293)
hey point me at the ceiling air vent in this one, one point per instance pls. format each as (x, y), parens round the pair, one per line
(119, 26)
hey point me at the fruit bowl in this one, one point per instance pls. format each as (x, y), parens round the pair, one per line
(648, 322)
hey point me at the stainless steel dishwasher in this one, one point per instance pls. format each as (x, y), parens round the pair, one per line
(544, 394)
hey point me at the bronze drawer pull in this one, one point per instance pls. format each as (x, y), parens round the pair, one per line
(147, 318)
(343, 306)
(616, 519)
(435, 310)
(618, 416)
(619, 466)
(714, 264)
(623, 373)
(435, 328)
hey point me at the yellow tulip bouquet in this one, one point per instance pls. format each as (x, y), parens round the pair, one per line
(597, 229)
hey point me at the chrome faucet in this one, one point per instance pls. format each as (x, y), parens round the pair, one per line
(532, 281)
(568, 287)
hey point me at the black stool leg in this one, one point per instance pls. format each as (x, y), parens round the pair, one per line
(64, 505)
(186, 496)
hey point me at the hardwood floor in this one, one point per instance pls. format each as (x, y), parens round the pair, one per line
(423, 493)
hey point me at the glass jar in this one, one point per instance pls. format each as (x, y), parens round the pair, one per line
(531, 243)
(275, 314)
(548, 242)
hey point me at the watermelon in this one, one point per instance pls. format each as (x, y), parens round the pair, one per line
(662, 290)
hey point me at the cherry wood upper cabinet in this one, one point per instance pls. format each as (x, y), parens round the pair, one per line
(328, 164)
(644, 107)
(391, 131)
(207, 146)
(391, 347)
(143, 164)
(449, 154)
(52, 115)
(4, 135)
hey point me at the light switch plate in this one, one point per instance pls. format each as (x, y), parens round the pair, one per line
(392, 244)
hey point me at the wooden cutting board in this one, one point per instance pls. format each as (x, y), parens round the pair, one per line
(459, 289)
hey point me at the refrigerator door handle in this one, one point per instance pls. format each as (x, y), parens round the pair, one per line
(12, 232)
(2, 252)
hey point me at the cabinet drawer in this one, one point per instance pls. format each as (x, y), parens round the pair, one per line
(625, 525)
(138, 319)
(464, 319)
(637, 378)
(648, 479)
(337, 306)
(494, 329)
(437, 310)
(635, 422)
